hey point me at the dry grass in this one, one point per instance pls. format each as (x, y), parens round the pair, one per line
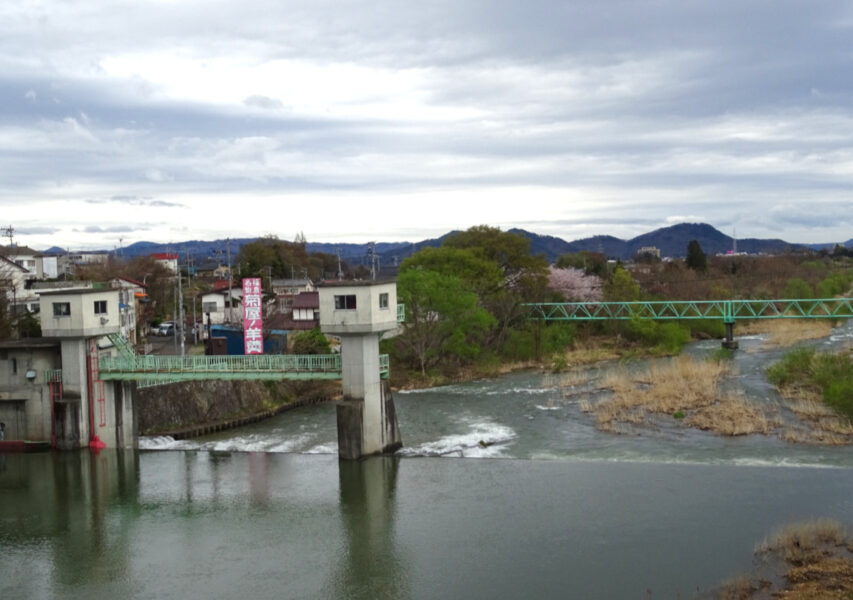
(733, 415)
(798, 543)
(590, 351)
(820, 424)
(782, 333)
(682, 385)
(739, 588)
(814, 559)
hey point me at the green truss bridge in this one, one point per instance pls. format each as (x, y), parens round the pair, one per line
(729, 311)
(170, 369)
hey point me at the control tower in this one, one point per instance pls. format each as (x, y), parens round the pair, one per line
(360, 312)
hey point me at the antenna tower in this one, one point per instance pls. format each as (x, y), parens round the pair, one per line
(373, 258)
(9, 232)
(340, 269)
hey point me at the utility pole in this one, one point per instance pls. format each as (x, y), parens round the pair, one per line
(230, 278)
(340, 269)
(182, 320)
(9, 232)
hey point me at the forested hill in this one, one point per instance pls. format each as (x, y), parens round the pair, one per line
(671, 241)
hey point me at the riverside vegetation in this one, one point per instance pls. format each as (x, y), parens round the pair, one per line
(808, 560)
(464, 320)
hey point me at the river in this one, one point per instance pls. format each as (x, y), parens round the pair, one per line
(504, 489)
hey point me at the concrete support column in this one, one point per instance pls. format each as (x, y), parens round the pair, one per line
(367, 422)
(730, 343)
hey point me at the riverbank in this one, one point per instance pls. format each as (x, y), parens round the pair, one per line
(190, 409)
(800, 561)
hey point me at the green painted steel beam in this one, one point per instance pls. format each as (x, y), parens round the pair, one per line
(727, 310)
(270, 367)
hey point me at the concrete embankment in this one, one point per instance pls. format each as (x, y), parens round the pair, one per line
(183, 410)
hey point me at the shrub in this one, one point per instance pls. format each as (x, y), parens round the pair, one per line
(667, 337)
(311, 342)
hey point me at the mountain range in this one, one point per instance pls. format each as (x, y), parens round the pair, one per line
(671, 241)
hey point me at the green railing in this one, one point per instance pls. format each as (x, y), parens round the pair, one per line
(122, 344)
(161, 368)
(727, 310)
(401, 313)
(53, 375)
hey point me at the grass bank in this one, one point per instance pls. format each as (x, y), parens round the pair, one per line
(684, 389)
(803, 561)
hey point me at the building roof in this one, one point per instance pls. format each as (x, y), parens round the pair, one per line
(133, 281)
(307, 300)
(164, 256)
(291, 282)
(12, 263)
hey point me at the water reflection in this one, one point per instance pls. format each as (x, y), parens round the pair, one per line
(372, 565)
(58, 526)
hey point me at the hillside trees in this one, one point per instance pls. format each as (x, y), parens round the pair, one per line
(465, 297)
(285, 259)
(443, 319)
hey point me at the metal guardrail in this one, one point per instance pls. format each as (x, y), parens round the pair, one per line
(727, 310)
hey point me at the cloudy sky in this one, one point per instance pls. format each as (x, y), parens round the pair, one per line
(168, 120)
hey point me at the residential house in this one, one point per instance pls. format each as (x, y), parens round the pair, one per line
(131, 294)
(168, 260)
(214, 304)
(14, 281)
(286, 290)
(68, 263)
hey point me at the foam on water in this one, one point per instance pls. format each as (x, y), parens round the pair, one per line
(485, 439)
(330, 448)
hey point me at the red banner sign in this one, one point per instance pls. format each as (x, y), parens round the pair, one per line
(253, 325)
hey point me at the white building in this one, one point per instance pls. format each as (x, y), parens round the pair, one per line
(214, 306)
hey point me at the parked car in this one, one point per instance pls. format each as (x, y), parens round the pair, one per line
(167, 328)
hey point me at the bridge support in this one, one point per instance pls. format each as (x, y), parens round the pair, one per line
(367, 420)
(729, 343)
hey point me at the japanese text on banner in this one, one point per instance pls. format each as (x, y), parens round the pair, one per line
(253, 327)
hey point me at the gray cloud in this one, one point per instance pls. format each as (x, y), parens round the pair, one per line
(723, 105)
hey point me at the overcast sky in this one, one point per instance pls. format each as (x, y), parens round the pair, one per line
(169, 120)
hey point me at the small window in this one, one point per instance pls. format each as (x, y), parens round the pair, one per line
(100, 307)
(345, 302)
(61, 309)
(14, 366)
(383, 300)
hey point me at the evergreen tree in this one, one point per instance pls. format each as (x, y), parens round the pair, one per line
(696, 258)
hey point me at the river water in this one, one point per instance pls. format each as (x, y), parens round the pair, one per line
(504, 489)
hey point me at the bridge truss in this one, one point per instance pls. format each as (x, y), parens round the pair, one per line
(727, 310)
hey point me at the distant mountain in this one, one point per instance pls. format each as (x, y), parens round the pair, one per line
(671, 241)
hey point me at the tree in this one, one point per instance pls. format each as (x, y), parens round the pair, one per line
(525, 277)
(575, 285)
(593, 263)
(696, 258)
(311, 342)
(621, 287)
(443, 320)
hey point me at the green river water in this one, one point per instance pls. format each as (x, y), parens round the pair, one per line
(545, 507)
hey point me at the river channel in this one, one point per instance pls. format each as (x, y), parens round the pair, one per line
(504, 489)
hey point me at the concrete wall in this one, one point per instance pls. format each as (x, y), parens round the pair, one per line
(25, 402)
(82, 320)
